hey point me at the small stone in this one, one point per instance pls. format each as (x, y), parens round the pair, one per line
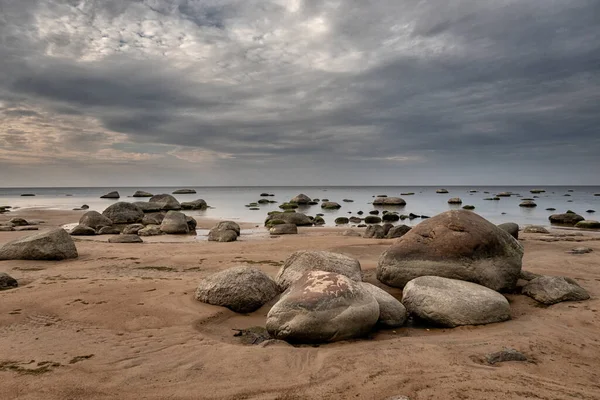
(504, 355)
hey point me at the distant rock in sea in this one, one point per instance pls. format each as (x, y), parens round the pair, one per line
(111, 195)
(184, 191)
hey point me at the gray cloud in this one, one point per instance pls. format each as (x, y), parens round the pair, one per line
(361, 90)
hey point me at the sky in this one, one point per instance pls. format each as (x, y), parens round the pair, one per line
(299, 92)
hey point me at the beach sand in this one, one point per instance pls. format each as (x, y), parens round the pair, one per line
(120, 322)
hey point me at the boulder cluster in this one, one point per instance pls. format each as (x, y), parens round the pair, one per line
(452, 269)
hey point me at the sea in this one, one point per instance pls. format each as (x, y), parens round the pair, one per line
(231, 202)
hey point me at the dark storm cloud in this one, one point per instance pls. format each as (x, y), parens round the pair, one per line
(448, 82)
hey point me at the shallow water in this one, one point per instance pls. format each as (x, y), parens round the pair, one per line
(229, 202)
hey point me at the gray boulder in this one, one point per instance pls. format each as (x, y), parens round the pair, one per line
(82, 230)
(456, 244)
(148, 207)
(389, 201)
(301, 199)
(392, 313)
(588, 224)
(303, 261)
(569, 218)
(455, 200)
(398, 231)
(241, 289)
(124, 213)
(374, 232)
(323, 307)
(184, 191)
(528, 204)
(511, 228)
(55, 244)
(111, 195)
(165, 201)
(174, 223)
(284, 229)
(295, 218)
(108, 230)
(141, 193)
(194, 205)
(132, 229)
(218, 235)
(7, 281)
(330, 205)
(94, 220)
(150, 230)
(451, 302)
(554, 289)
(535, 229)
(125, 239)
(153, 219)
(228, 225)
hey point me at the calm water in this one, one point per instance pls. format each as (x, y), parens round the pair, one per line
(229, 202)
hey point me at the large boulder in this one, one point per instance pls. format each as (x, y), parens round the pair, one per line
(82, 230)
(374, 232)
(148, 207)
(302, 261)
(153, 219)
(456, 244)
(194, 205)
(175, 223)
(301, 199)
(392, 313)
(55, 244)
(94, 220)
(132, 229)
(217, 235)
(323, 307)
(7, 281)
(111, 195)
(141, 193)
(125, 239)
(588, 224)
(241, 289)
(554, 289)
(398, 231)
(284, 229)
(124, 213)
(389, 201)
(295, 218)
(165, 201)
(451, 302)
(568, 218)
(511, 228)
(228, 225)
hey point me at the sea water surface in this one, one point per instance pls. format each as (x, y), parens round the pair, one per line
(230, 202)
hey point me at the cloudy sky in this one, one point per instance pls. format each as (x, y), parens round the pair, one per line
(299, 92)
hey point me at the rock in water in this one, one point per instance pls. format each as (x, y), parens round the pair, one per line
(389, 201)
(301, 199)
(184, 191)
(241, 289)
(398, 231)
(323, 307)
(174, 223)
(569, 218)
(511, 228)
(554, 289)
(82, 230)
(284, 229)
(124, 213)
(456, 244)
(166, 202)
(528, 203)
(303, 261)
(588, 224)
(392, 313)
(55, 244)
(148, 207)
(450, 302)
(441, 191)
(330, 205)
(94, 220)
(455, 200)
(295, 218)
(141, 193)
(111, 195)
(199, 204)
(7, 281)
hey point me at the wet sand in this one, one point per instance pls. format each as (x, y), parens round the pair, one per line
(120, 322)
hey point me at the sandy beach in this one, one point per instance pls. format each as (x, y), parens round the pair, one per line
(120, 322)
